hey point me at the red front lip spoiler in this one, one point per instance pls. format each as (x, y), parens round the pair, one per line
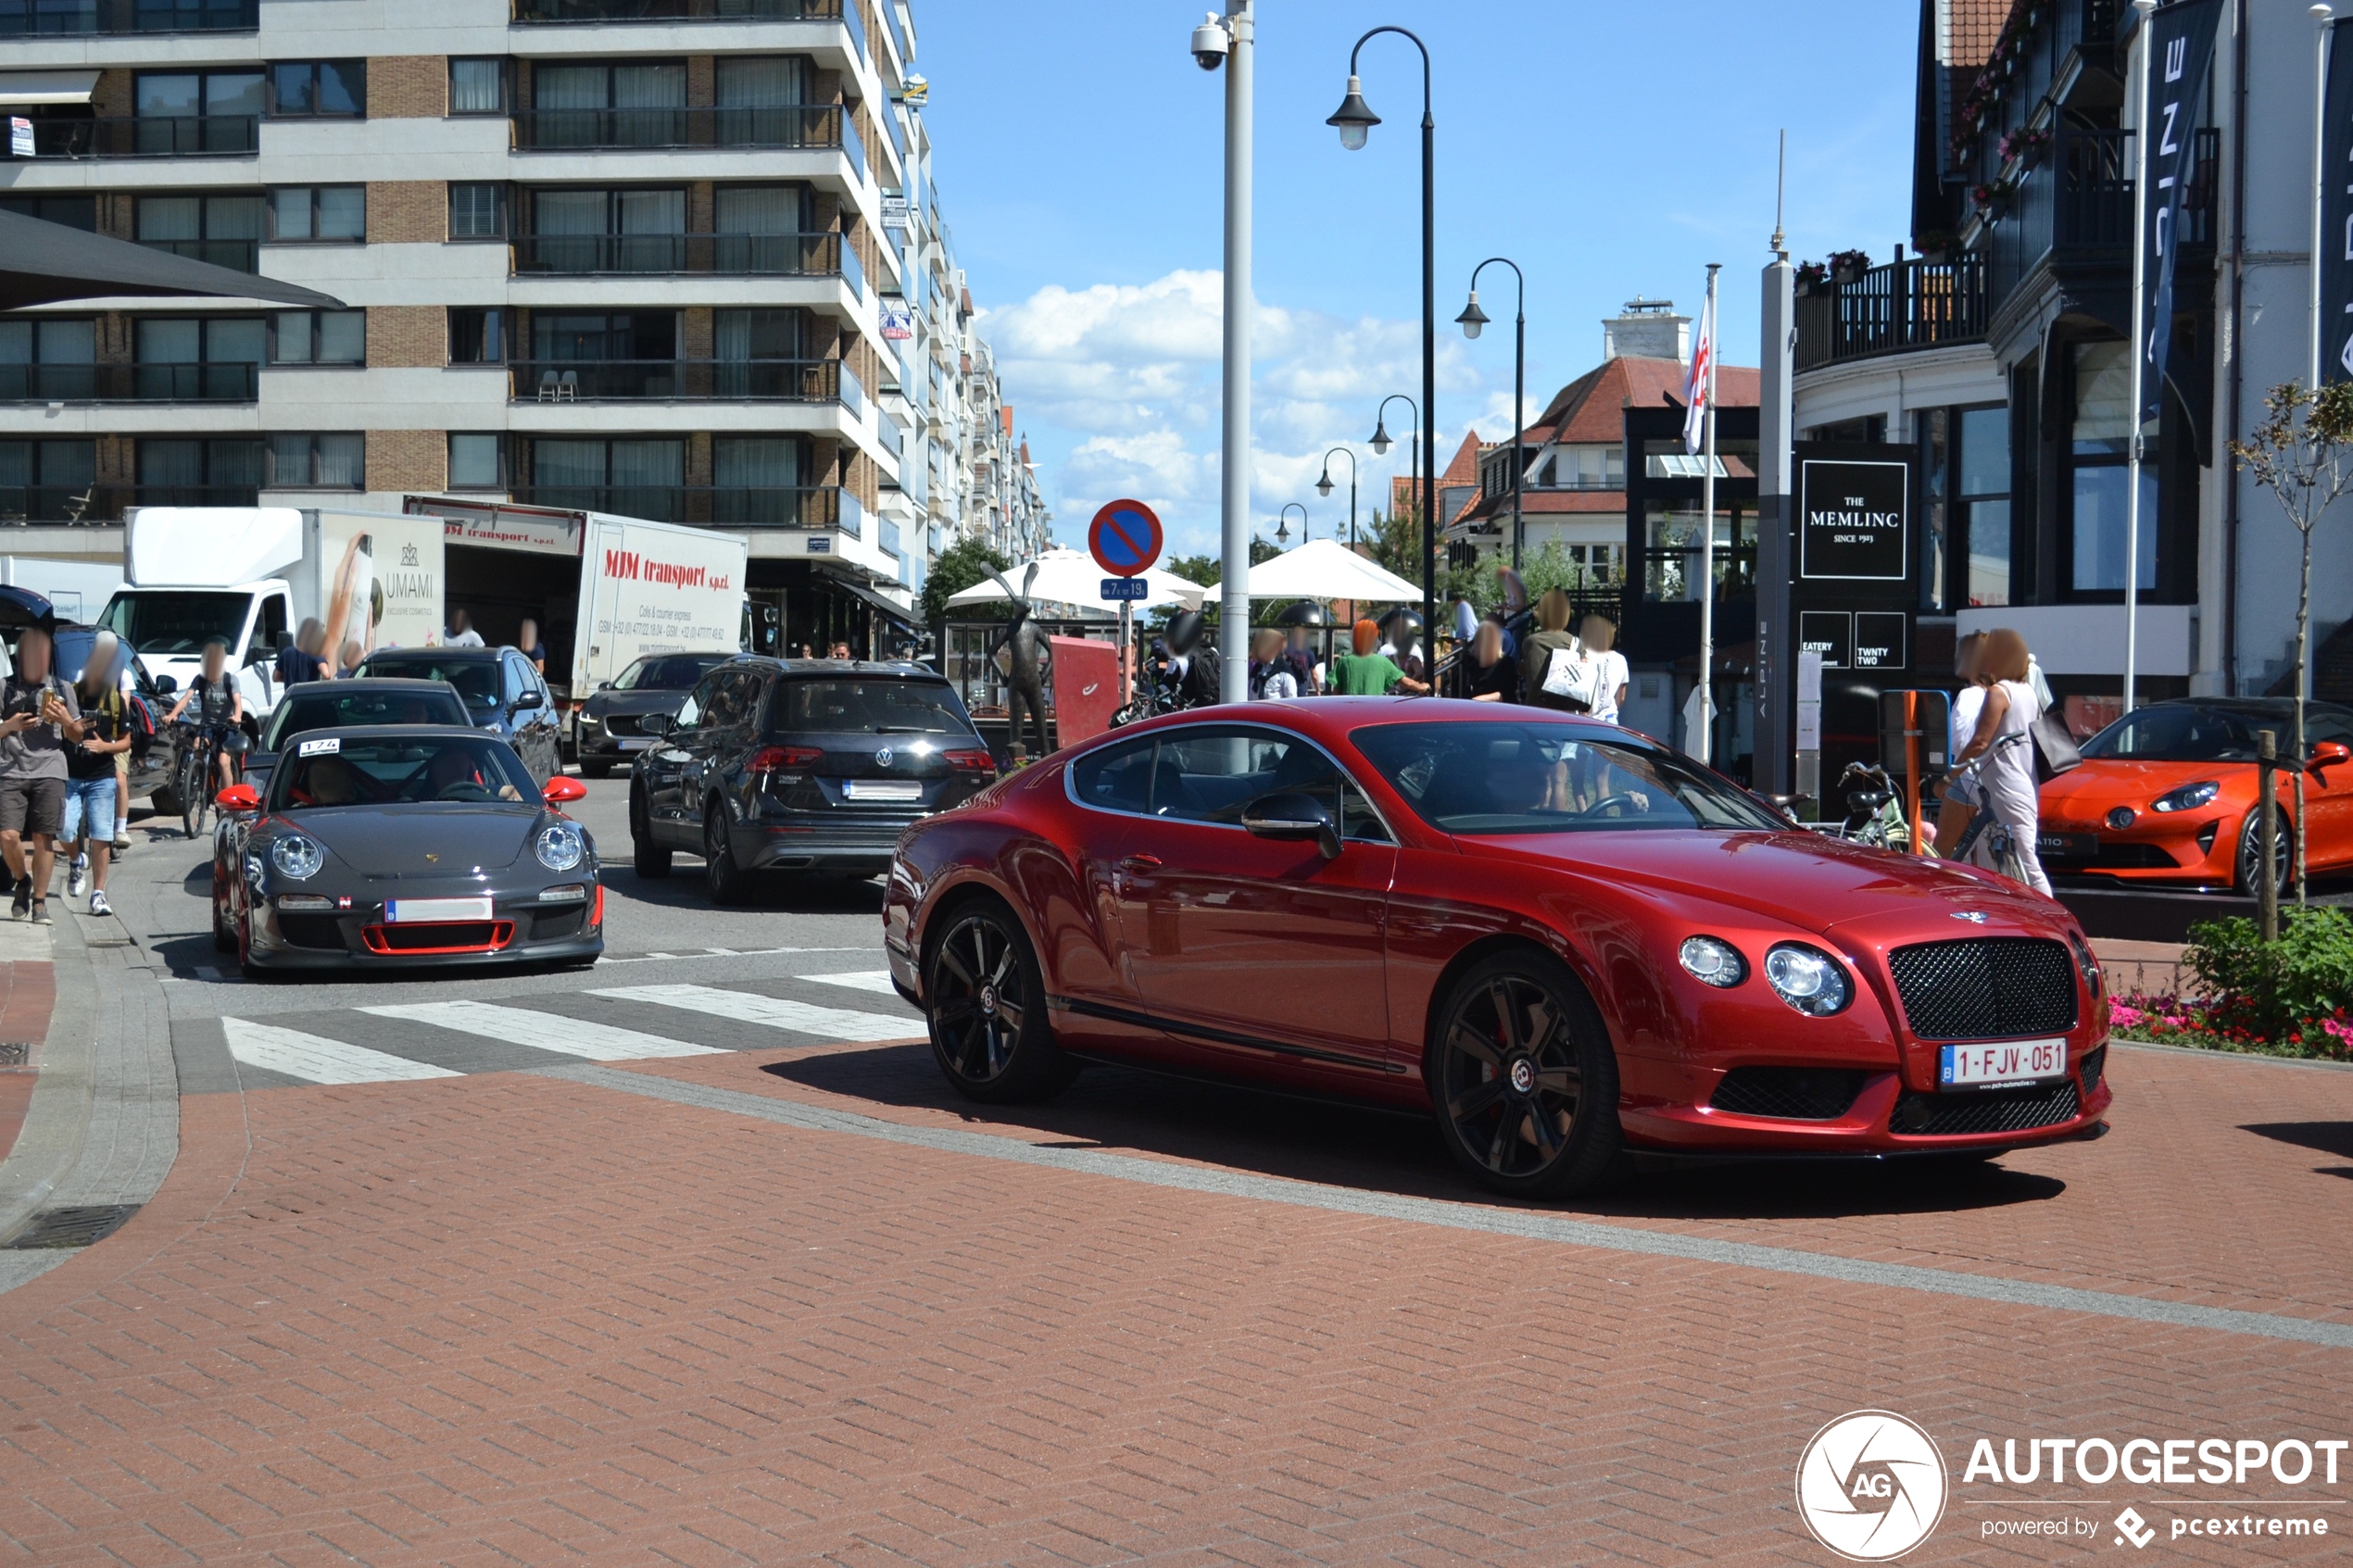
(502, 932)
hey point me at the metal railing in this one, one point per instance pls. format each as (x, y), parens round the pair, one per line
(1891, 308)
(777, 126)
(810, 255)
(212, 135)
(180, 495)
(561, 11)
(56, 503)
(210, 382)
(2095, 172)
(70, 18)
(734, 505)
(591, 381)
(241, 256)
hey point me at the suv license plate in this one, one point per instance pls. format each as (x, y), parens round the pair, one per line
(881, 789)
(2004, 1062)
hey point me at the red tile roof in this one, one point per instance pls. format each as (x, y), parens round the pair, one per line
(1974, 27)
(1592, 408)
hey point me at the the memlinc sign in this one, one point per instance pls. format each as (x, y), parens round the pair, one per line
(1854, 522)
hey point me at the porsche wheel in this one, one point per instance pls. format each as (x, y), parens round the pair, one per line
(1524, 1081)
(986, 1006)
(651, 859)
(225, 936)
(729, 882)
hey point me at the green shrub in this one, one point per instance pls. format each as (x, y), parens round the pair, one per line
(2280, 990)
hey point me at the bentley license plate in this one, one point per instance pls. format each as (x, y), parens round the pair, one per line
(2005, 1061)
(410, 910)
(881, 789)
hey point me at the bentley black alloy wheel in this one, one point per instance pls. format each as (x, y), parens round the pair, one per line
(1524, 1081)
(986, 1004)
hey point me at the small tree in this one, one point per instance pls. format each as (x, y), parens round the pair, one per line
(961, 565)
(2303, 454)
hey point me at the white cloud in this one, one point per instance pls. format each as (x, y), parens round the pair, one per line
(1118, 387)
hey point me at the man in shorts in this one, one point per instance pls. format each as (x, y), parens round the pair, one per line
(38, 718)
(91, 781)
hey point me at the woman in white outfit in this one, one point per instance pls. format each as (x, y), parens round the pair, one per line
(2005, 743)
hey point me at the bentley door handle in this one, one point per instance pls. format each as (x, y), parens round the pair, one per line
(1140, 863)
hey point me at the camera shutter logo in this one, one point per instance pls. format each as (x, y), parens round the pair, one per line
(1871, 1485)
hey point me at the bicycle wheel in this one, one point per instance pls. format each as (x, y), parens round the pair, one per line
(195, 795)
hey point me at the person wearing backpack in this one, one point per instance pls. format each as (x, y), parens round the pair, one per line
(1558, 674)
(88, 831)
(41, 719)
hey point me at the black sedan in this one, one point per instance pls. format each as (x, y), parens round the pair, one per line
(503, 692)
(403, 847)
(608, 731)
(813, 767)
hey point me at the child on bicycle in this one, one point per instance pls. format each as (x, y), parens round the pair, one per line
(221, 706)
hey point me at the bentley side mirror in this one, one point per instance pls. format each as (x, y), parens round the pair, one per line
(1292, 816)
(563, 789)
(238, 799)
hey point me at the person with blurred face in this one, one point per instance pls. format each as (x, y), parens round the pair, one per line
(1368, 671)
(527, 639)
(221, 706)
(1494, 674)
(42, 719)
(1961, 793)
(88, 828)
(2003, 750)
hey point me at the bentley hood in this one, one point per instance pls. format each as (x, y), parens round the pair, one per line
(432, 839)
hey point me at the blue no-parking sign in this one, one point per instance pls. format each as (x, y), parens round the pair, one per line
(1125, 538)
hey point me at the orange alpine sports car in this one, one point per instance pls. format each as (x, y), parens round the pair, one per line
(2167, 795)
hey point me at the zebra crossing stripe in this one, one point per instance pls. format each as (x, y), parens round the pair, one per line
(875, 979)
(297, 1055)
(801, 1017)
(542, 1031)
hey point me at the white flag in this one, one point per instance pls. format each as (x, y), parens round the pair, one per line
(1695, 387)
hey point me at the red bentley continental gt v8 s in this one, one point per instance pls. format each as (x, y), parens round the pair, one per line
(1566, 940)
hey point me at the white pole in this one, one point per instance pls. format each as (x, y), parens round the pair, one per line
(1233, 596)
(2321, 14)
(1706, 727)
(2139, 348)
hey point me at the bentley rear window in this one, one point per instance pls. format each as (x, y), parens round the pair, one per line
(1510, 778)
(878, 707)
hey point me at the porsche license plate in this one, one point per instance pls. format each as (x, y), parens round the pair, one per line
(881, 789)
(2004, 1062)
(408, 911)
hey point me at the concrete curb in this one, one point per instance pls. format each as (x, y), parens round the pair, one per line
(57, 1121)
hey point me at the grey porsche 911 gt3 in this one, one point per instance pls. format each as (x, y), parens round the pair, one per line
(394, 848)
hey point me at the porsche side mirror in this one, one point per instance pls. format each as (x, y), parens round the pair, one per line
(657, 724)
(1292, 816)
(238, 799)
(563, 789)
(2330, 754)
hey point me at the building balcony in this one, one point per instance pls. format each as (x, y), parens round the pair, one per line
(825, 127)
(726, 381)
(813, 507)
(2073, 207)
(772, 255)
(1892, 309)
(238, 256)
(98, 19)
(558, 12)
(211, 382)
(215, 135)
(55, 502)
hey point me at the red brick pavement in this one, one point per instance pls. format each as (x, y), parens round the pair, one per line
(28, 994)
(507, 1319)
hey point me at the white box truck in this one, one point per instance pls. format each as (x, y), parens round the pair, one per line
(601, 589)
(247, 575)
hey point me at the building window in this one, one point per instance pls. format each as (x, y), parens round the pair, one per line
(42, 360)
(47, 480)
(190, 112)
(73, 212)
(333, 460)
(477, 210)
(626, 231)
(1981, 503)
(217, 472)
(637, 105)
(212, 358)
(477, 460)
(478, 87)
(319, 337)
(477, 335)
(2099, 433)
(221, 229)
(319, 89)
(639, 477)
(334, 214)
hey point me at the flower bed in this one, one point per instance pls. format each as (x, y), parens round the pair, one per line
(2292, 997)
(2169, 1020)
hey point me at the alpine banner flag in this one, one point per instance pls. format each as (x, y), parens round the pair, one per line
(2336, 211)
(2181, 50)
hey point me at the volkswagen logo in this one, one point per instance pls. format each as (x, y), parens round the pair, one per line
(1870, 1486)
(882, 757)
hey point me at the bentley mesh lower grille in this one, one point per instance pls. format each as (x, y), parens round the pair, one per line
(1985, 987)
(2009, 1111)
(2095, 1063)
(1799, 1094)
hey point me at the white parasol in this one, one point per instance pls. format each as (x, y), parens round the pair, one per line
(1325, 568)
(1072, 577)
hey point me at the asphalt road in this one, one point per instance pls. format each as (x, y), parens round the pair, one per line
(656, 932)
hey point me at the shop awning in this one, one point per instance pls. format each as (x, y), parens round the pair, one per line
(22, 87)
(43, 263)
(858, 591)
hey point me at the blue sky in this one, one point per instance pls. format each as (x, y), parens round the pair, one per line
(1610, 149)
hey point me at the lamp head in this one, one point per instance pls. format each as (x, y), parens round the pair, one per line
(1473, 318)
(1324, 486)
(1211, 42)
(1354, 118)
(1380, 442)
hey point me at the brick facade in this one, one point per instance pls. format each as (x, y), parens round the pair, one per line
(408, 335)
(111, 96)
(408, 460)
(407, 212)
(408, 87)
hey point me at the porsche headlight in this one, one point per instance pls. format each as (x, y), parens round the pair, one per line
(2189, 797)
(560, 845)
(298, 858)
(1713, 962)
(1807, 979)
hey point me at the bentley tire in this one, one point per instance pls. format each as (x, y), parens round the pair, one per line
(729, 883)
(986, 1006)
(651, 859)
(1524, 1081)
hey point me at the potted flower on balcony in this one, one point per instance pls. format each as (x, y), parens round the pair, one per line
(1848, 266)
(1812, 276)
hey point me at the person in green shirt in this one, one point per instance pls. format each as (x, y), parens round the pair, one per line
(1366, 673)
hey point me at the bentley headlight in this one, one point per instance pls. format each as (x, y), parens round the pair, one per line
(2189, 797)
(1807, 980)
(298, 858)
(560, 845)
(1713, 962)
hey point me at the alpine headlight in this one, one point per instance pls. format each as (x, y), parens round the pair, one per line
(560, 845)
(1713, 962)
(1807, 980)
(298, 858)
(2189, 797)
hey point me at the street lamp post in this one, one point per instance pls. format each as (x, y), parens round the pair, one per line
(1231, 42)
(1282, 524)
(1324, 488)
(1355, 120)
(1471, 321)
(1380, 442)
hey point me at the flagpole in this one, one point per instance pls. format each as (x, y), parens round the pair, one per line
(2322, 16)
(1706, 726)
(2139, 349)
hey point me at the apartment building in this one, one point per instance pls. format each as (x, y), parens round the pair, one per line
(626, 255)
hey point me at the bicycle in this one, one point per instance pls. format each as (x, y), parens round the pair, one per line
(1875, 813)
(191, 774)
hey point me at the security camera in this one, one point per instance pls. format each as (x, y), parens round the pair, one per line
(1211, 42)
